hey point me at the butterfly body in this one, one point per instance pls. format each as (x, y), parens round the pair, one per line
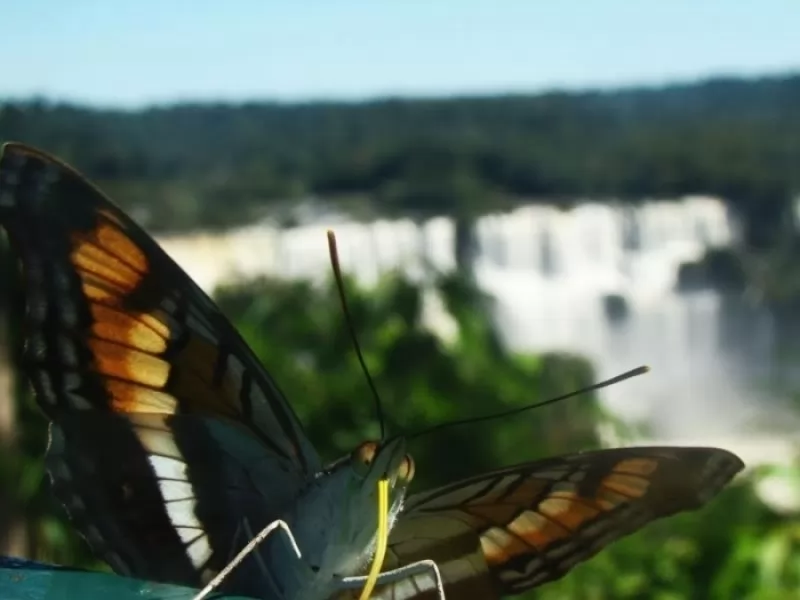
(172, 446)
(332, 519)
(334, 522)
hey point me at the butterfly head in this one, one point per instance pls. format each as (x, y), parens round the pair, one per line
(355, 477)
(373, 461)
(341, 536)
(370, 463)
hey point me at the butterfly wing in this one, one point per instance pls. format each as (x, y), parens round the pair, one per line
(162, 497)
(113, 330)
(514, 529)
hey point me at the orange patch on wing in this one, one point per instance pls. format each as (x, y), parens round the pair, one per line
(88, 257)
(569, 512)
(101, 290)
(122, 328)
(95, 292)
(157, 321)
(129, 398)
(127, 364)
(627, 485)
(560, 513)
(571, 496)
(121, 246)
(608, 500)
(537, 530)
(637, 466)
(499, 546)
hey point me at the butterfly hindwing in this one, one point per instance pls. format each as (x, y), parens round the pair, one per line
(113, 325)
(514, 529)
(170, 501)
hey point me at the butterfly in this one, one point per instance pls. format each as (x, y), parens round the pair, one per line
(171, 446)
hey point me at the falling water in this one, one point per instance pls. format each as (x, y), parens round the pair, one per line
(553, 272)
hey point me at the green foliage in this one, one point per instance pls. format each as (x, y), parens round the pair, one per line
(217, 165)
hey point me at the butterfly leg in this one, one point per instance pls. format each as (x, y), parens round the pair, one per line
(244, 552)
(422, 567)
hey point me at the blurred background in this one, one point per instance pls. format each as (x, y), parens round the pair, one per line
(528, 197)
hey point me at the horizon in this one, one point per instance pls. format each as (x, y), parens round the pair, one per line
(147, 53)
(488, 95)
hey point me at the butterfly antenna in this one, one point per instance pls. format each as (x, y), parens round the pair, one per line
(515, 411)
(337, 275)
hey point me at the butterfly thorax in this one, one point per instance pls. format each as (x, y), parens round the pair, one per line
(335, 522)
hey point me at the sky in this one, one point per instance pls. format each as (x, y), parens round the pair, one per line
(121, 53)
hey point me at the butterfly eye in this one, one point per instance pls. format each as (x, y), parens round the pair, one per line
(365, 453)
(406, 469)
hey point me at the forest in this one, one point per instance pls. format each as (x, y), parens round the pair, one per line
(201, 166)
(211, 166)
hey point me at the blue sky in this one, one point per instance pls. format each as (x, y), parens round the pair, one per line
(123, 53)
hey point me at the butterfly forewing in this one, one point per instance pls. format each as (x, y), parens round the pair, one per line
(114, 326)
(514, 529)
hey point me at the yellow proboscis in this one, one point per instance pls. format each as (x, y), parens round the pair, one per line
(383, 539)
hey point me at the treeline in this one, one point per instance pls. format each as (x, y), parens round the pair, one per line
(212, 165)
